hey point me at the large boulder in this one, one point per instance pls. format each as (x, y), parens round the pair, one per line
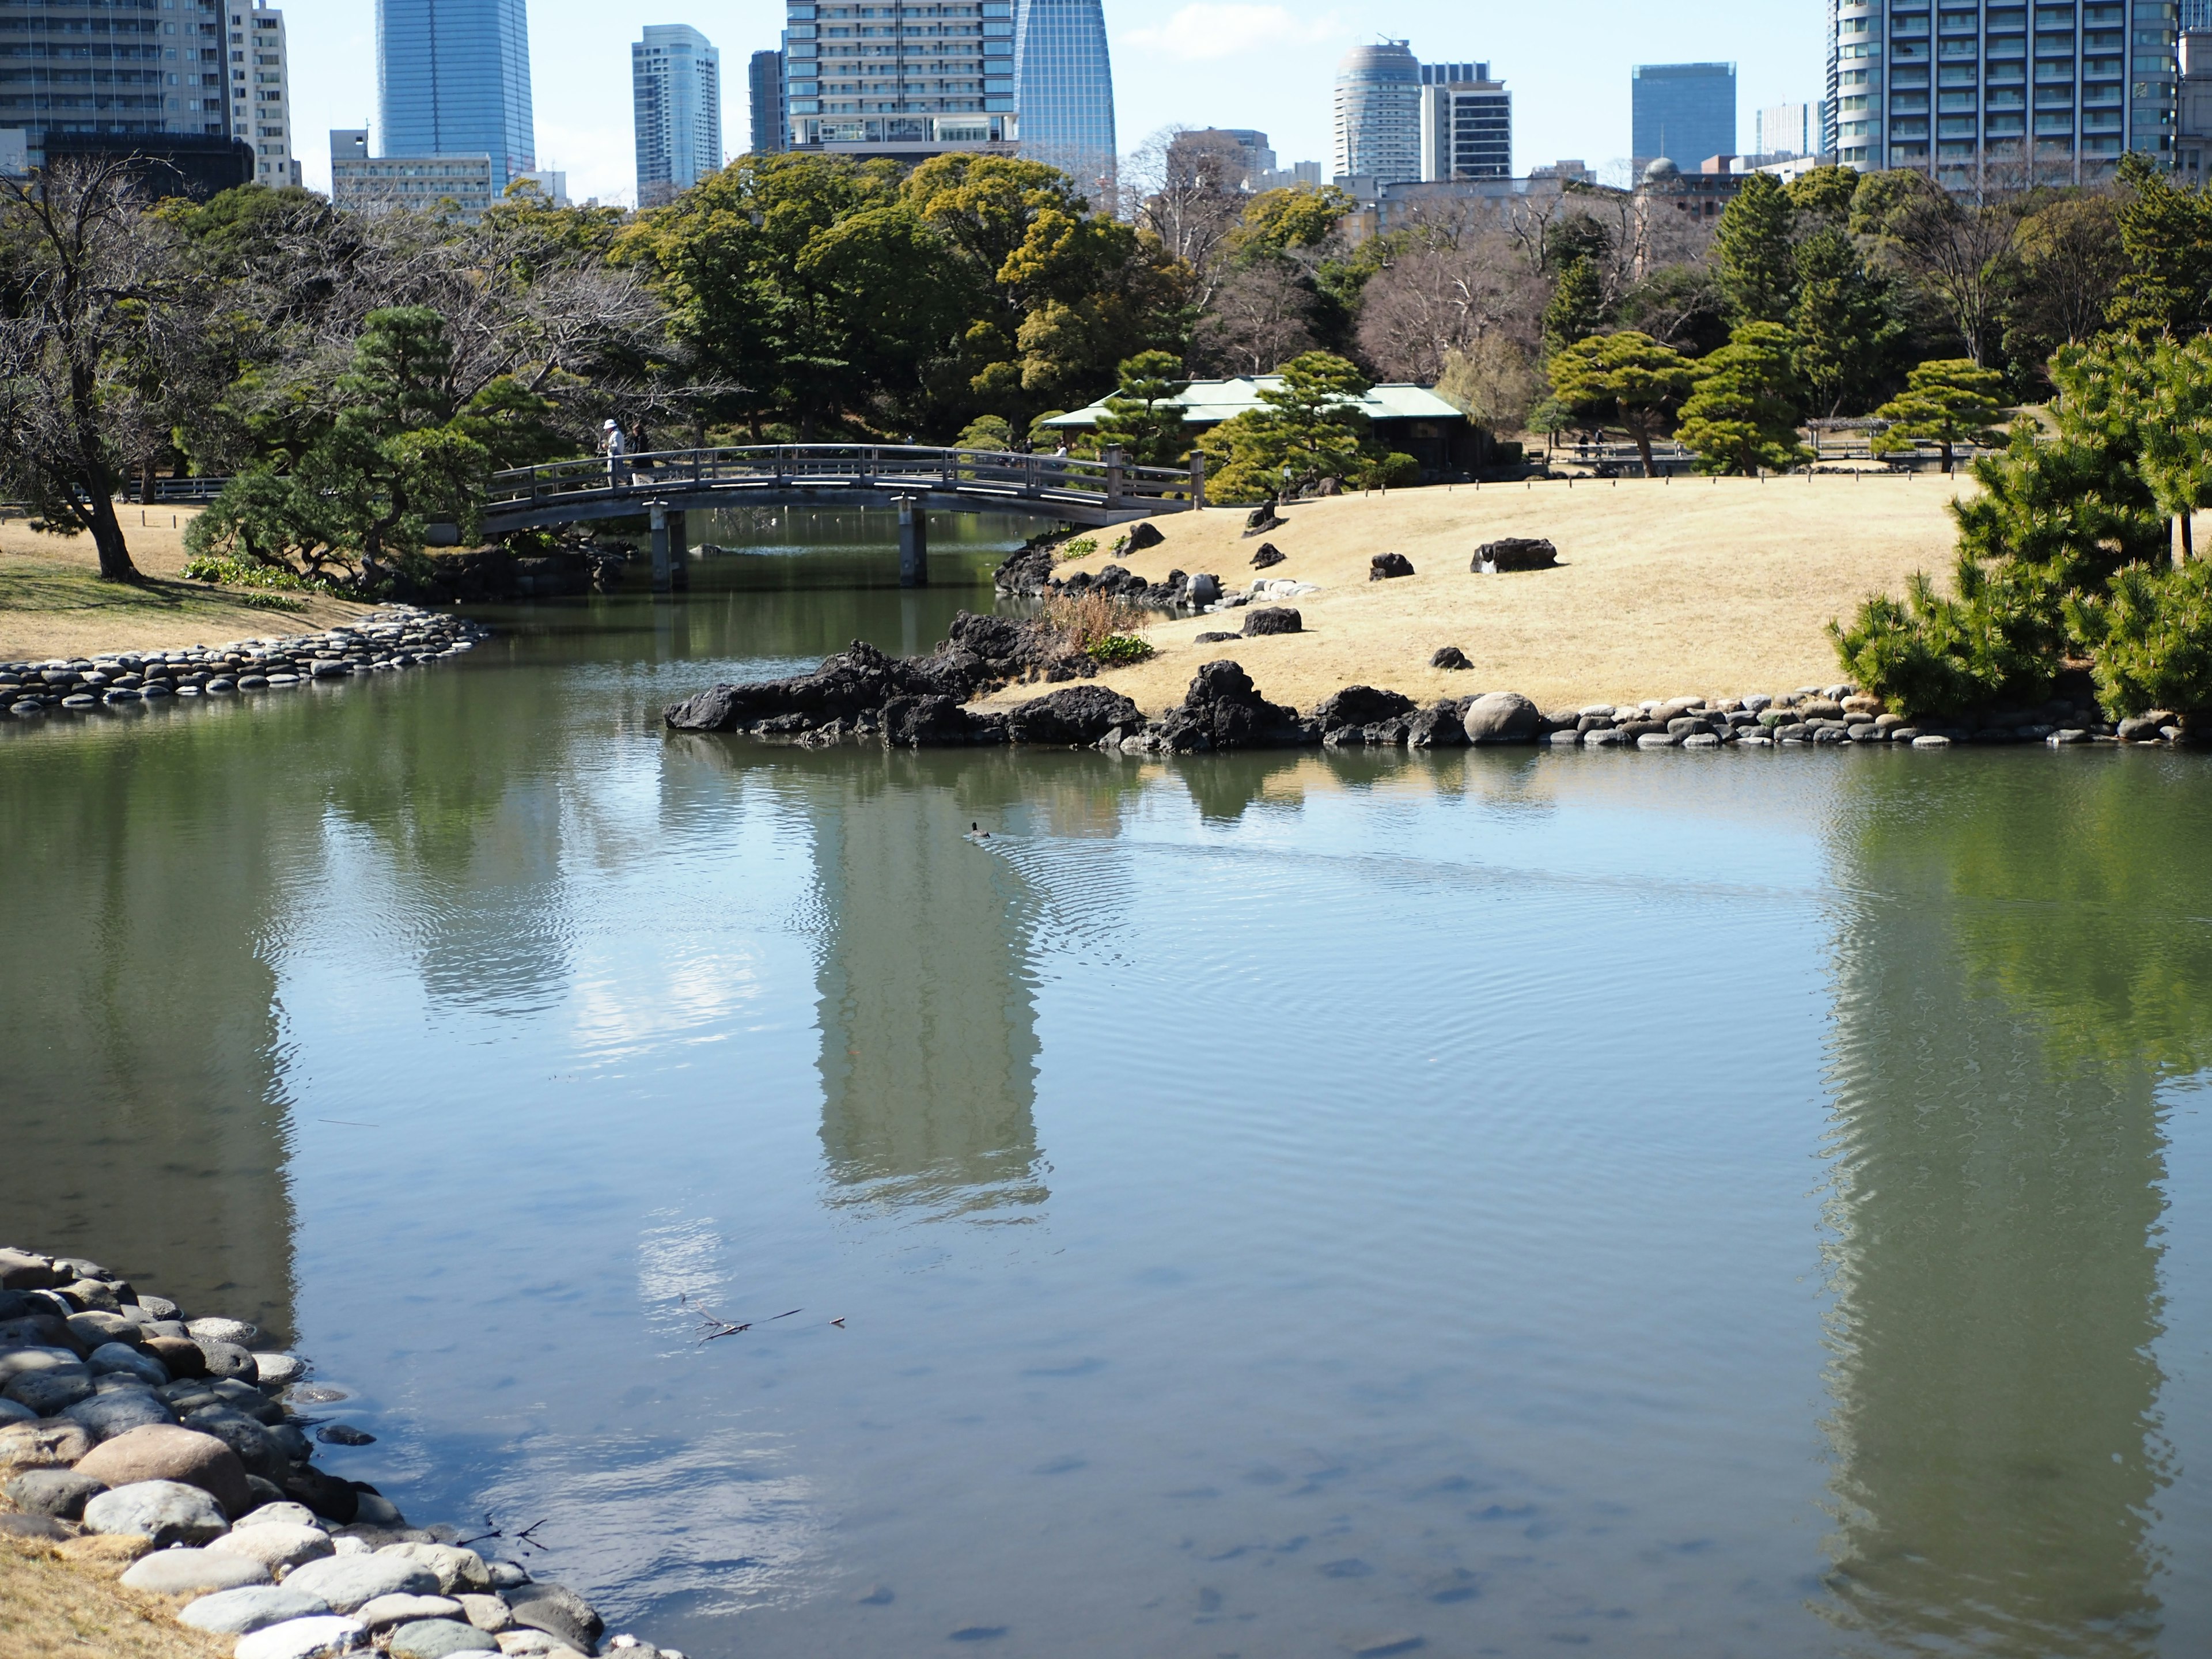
(60, 1494)
(239, 1611)
(21, 1271)
(457, 1568)
(255, 1445)
(1075, 715)
(1501, 717)
(112, 1414)
(347, 1582)
(1224, 710)
(1449, 656)
(1384, 566)
(193, 1572)
(1268, 555)
(1143, 534)
(51, 1390)
(1271, 619)
(325, 1494)
(56, 1443)
(937, 722)
(167, 1511)
(1026, 573)
(557, 1611)
(276, 1545)
(161, 1451)
(1515, 553)
(1360, 705)
(1437, 726)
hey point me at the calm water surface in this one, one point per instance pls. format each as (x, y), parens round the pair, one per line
(1283, 1205)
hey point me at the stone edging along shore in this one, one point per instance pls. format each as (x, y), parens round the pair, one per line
(129, 1433)
(862, 694)
(399, 636)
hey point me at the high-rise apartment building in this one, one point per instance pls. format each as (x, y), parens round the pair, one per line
(1782, 131)
(676, 99)
(258, 65)
(1999, 94)
(769, 113)
(1378, 113)
(1064, 89)
(1684, 111)
(906, 79)
(2193, 137)
(1467, 122)
(91, 68)
(453, 78)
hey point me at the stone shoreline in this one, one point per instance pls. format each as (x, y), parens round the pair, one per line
(862, 695)
(132, 1437)
(399, 636)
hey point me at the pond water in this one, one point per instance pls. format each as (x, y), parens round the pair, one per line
(1276, 1205)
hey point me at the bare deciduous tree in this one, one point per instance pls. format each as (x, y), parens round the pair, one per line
(1261, 317)
(1441, 297)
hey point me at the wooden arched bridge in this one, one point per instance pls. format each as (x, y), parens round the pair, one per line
(664, 483)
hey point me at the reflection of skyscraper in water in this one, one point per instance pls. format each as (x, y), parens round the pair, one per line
(1997, 1278)
(928, 1027)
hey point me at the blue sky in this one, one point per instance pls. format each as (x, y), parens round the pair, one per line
(1264, 64)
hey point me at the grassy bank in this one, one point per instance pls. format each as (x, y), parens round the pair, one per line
(53, 604)
(54, 1607)
(1692, 587)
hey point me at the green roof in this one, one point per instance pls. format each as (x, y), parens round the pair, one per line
(1209, 402)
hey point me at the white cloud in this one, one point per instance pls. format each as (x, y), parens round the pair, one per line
(1222, 28)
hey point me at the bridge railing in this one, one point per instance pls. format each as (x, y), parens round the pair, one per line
(981, 472)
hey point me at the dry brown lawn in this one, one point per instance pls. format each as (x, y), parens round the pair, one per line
(53, 1609)
(1663, 589)
(52, 603)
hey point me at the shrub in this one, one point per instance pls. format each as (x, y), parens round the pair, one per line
(2150, 638)
(1081, 548)
(1383, 471)
(1117, 649)
(1998, 640)
(239, 573)
(1090, 618)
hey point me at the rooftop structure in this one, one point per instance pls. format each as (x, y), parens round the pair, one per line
(676, 101)
(1409, 418)
(1064, 91)
(909, 79)
(1378, 113)
(453, 78)
(1682, 109)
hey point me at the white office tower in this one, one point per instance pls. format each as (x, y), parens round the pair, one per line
(1782, 131)
(1467, 122)
(1378, 114)
(676, 95)
(259, 73)
(1994, 97)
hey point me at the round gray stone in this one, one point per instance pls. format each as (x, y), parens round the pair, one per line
(275, 1370)
(434, 1639)
(347, 1582)
(283, 1513)
(59, 1493)
(406, 1609)
(53, 1390)
(167, 1511)
(240, 1611)
(192, 1572)
(322, 1636)
(121, 1357)
(276, 1545)
(107, 1415)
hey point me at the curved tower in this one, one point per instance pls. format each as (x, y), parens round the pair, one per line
(1378, 113)
(1064, 88)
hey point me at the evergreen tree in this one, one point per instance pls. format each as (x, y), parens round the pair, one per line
(1629, 379)
(1310, 428)
(1577, 310)
(1751, 248)
(2155, 401)
(2166, 232)
(1743, 416)
(1845, 332)
(1142, 415)
(1948, 401)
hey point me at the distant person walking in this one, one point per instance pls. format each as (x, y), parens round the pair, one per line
(612, 442)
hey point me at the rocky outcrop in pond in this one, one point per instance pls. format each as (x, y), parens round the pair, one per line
(133, 1431)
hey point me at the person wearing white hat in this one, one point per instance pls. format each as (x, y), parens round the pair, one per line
(617, 474)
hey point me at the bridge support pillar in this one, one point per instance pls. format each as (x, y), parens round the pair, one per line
(913, 543)
(663, 566)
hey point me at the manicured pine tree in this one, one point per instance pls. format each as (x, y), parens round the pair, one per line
(1743, 416)
(1947, 401)
(1628, 378)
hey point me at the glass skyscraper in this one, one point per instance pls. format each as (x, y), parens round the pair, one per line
(1064, 89)
(1684, 111)
(676, 98)
(453, 78)
(771, 113)
(1998, 94)
(1378, 113)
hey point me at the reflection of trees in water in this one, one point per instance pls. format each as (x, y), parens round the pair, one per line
(145, 1117)
(2016, 971)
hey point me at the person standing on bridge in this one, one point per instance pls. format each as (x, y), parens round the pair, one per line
(617, 470)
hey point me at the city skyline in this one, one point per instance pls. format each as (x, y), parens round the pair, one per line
(1231, 65)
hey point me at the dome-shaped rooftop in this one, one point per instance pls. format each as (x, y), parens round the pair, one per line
(1661, 171)
(1386, 60)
